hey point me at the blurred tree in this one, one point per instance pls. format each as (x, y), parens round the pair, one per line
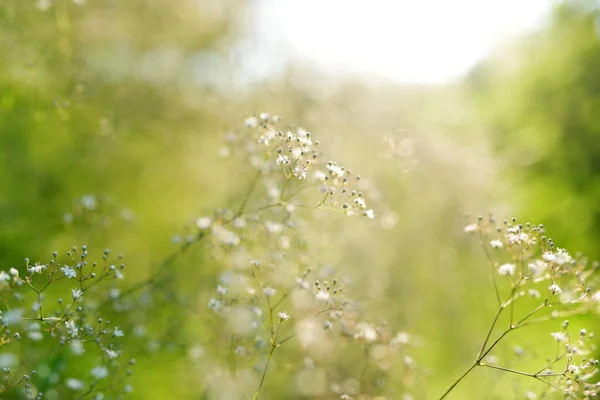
(540, 101)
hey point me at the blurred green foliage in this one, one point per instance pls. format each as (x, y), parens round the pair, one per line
(120, 102)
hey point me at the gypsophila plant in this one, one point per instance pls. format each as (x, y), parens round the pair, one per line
(53, 305)
(535, 281)
(273, 293)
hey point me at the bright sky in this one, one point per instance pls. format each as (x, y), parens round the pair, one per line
(419, 41)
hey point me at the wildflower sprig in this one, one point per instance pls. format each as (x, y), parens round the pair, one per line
(62, 297)
(525, 263)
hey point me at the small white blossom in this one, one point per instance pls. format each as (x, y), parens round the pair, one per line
(74, 384)
(99, 372)
(118, 332)
(300, 172)
(322, 295)
(366, 332)
(533, 293)
(559, 336)
(269, 291)
(548, 256)
(14, 272)
(203, 222)
(112, 354)
(251, 122)
(359, 201)
(76, 293)
(37, 268)
(555, 289)
(282, 160)
(4, 277)
(507, 269)
(284, 316)
(71, 328)
(470, 228)
(68, 271)
(77, 347)
(538, 268)
(562, 257)
(369, 214)
(496, 244)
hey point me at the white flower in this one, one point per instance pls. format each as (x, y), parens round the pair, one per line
(555, 289)
(533, 293)
(562, 257)
(365, 331)
(538, 268)
(300, 172)
(74, 384)
(548, 256)
(77, 347)
(507, 269)
(14, 272)
(335, 170)
(325, 188)
(517, 237)
(112, 354)
(204, 222)
(269, 291)
(100, 372)
(322, 295)
(369, 214)
(359, 201)
(496, 244)
(282, 160)
(71, 328)
(37, 268)
(68, 271)
(4, 277)
(273, 227)
(118, 333)
(225, 236)
(251, 122)
(559, 336)
(284, 316)
(470, 228)
(76, 293)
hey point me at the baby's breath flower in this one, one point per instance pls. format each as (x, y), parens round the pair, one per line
(507, 269)
(548, 256)
(4, 277)
(118, 332)
(282, 160)
(111, 354)
(365, 332)
(71, 328)
(300, 172)
(533, 293)
(269, 291)
(68, 271)
(77, 347)
(99, 372)
(470, 228)
(203, 222)
(538, 267)
(14, 272)
(496, 244)
(76, 293)
(555, 289)
(562, 257)
(283, 315)
(74, 384)
(37, 268)
(369, 214)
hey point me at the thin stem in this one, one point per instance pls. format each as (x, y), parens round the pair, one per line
(456, 382)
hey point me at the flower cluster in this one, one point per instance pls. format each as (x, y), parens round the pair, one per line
(70, 320)
(536, 281)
